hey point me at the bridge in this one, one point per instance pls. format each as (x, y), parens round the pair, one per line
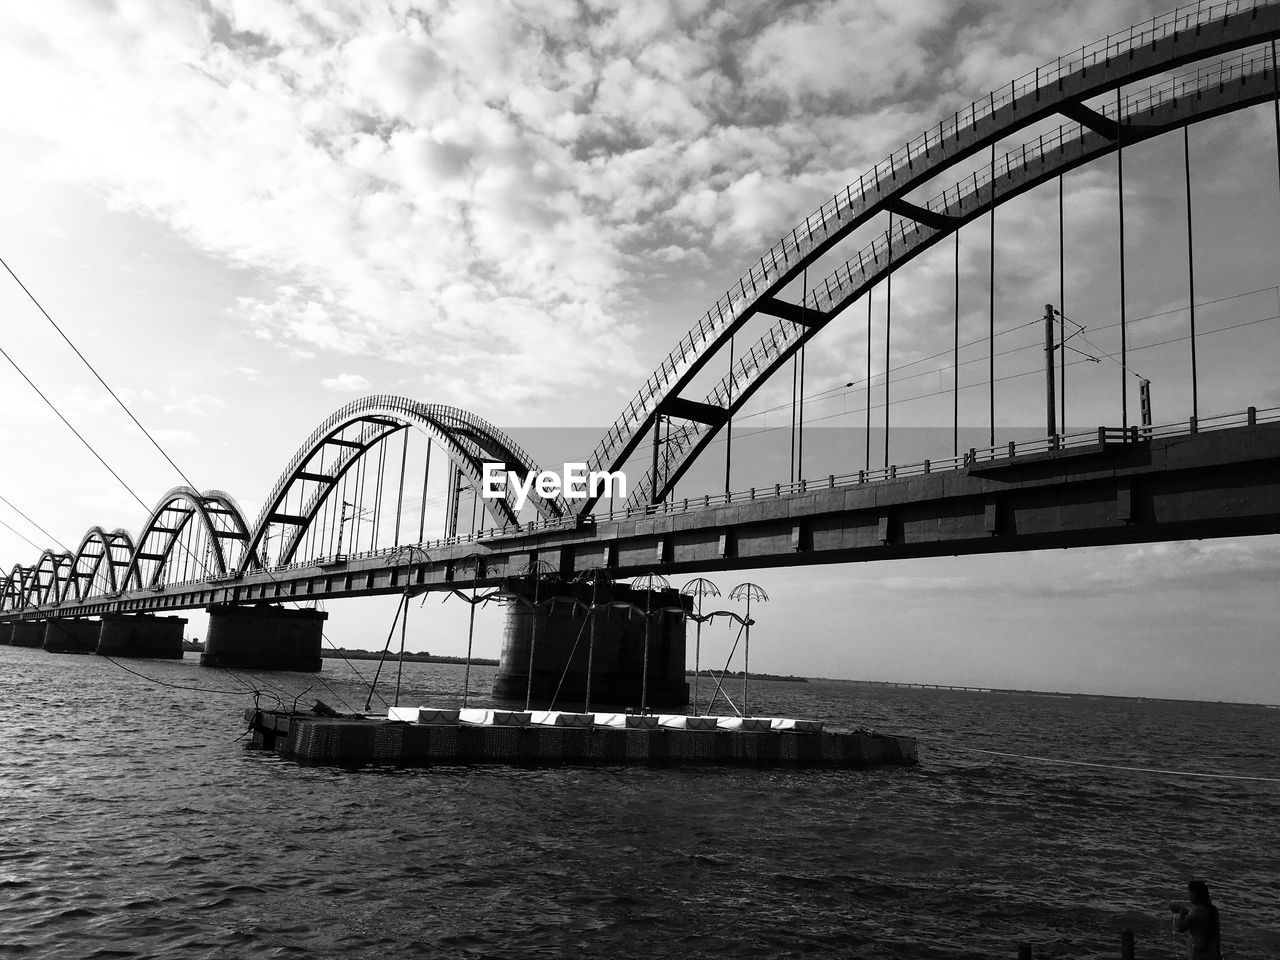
(352, 513)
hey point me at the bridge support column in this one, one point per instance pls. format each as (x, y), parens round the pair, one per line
(70, 635)
(27, 633)
(6, 633)
(561, 634)
(263, 637)
(141, 635)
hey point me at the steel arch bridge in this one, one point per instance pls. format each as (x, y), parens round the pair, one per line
(209, 530)
(1197, 62)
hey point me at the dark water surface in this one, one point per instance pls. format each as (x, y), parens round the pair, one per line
(134, 823)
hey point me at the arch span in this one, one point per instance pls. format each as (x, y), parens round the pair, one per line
(11, 589)
(47, 582)
(1173, 103)
(468, 440)
(220, 520)
(1062, 87)
(99, 556)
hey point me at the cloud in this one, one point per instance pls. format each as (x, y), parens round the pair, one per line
(193, 404)
(483, 186)
(346, 383)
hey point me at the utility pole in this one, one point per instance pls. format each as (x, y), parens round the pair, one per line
(1048, 371)
(342, 524)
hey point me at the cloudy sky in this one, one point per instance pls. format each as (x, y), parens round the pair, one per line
(246, 213)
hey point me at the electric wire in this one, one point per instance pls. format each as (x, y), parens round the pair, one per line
(20, 536)
(79, 437)
(1015, 376)
(11, 506)
(85, 361)
(851, 386)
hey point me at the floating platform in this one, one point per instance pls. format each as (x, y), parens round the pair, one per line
(428, 736)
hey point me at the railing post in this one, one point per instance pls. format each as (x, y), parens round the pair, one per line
(1253, 416)
(1195, 425)
(1102, 435)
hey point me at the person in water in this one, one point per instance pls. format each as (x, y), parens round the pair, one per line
(1200, 922)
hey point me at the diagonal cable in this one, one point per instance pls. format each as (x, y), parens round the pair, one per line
(84, 360)
(18, 535)
(87, 444)
(34, 524)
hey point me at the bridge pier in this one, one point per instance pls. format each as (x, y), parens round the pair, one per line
(141, 635)
(561, 633)
(70, 635)
(6, 633)
(263, 637)
(27, 633)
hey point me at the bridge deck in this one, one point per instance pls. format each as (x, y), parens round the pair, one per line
(1116, 490)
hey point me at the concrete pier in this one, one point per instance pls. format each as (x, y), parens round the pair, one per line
(142, 636)
(264, 637)
(27, 633)
(66, 635)
(561, 634)
(6, 633)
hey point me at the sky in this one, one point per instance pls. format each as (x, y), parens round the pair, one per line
(246, 213)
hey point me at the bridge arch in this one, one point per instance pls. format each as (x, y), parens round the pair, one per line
(468, 440)
(1164, 43)
(1169, 105)
(46, 583)
(11, 590)
(98, 557)
(219, 517)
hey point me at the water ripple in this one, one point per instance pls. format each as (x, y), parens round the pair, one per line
(133, 823)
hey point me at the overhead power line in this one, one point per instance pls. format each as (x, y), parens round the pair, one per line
(34, 524)
(18, 535)
(88, 446)
(105, 385)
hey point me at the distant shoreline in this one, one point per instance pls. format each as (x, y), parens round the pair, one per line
(342, 653)
(1012, 691)
(737, 675)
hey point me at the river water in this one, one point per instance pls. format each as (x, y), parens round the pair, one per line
(135, 823)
